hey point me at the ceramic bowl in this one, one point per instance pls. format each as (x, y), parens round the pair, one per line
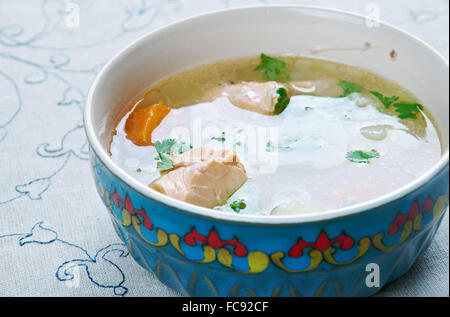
(202, 252)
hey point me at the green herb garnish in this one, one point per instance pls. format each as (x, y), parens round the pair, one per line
(180, 148)
(270, 147)
(273, 69)
(361, 156)
(165, 163)
(349, 88)
(238, 205)
(408, 109)
(386, 101)
(283, 100)
(165, 146)
(284, 145)
(220, 139)
(165, 149)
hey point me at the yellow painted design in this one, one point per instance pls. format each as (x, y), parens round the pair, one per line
(126, 222)
(276, 291)
(211, 285)
(293, 291)
(321, 289)
(378, 238)
(209, 254)
(315, 255)
(193, 283)
(407, 229)
(363, 246)
(250, 291)
(175, 242)
(417, 224)
(159, 268)
(440, 205)
(108, 200)
(237, 286)
(225, 258)
(258, 262)
(162, 236)
(235, 289)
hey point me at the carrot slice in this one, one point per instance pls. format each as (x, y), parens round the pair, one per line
(142, 121)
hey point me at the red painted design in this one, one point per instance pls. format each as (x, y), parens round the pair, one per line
(427, 206)
(322, 243)
(213, 240)
(128, 205)
(414, 211)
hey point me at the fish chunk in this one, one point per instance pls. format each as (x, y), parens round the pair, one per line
(203, 176)
(252, 96)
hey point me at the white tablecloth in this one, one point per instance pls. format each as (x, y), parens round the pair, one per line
(51, 220)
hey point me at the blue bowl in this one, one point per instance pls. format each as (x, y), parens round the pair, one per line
(352, 251)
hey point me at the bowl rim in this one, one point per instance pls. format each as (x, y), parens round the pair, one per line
(216, 215)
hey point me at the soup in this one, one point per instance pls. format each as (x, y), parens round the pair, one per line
(275, 136)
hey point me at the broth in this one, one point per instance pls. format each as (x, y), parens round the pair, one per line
(324, 151)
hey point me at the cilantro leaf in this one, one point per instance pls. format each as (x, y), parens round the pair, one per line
(165, 163)
(283, 100)
(238, 205)
(408, 109)
(165, 149)
(171, 146)
(284, 145)
(361, 156)
(386, 101)
(270, 147)
(180, 147)
(273, 69)
(349, 88)
(165, 146)
(220, 139)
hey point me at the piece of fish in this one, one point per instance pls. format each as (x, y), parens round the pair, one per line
(259, 97)
(203, 176)
(262, 97)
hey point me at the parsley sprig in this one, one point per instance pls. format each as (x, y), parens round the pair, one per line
(283, 145)
(349, 88)
(273, 69)
(408, 109)
(220, 139)
(165, 149)
(386, 101)
(283, 100)
(238, 205)
(361, 156)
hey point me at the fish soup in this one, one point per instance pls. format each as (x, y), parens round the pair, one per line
(275, 136)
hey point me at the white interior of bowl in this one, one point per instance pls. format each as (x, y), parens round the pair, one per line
(276, 30)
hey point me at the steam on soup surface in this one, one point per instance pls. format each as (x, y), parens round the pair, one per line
(275, 136)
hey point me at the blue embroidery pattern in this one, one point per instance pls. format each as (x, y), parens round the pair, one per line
(93, 266)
